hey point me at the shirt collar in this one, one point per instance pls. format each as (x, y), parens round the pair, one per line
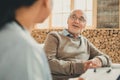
(66, 33)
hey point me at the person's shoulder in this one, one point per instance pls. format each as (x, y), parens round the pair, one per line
(83, 37)
(86, 40)
(54, 33)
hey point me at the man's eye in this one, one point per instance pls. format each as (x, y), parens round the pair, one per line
(80, 19)
(74, 17)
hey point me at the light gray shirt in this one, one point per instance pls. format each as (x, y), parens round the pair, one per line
(21, 58)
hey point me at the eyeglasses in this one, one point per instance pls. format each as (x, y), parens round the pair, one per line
(81, 19)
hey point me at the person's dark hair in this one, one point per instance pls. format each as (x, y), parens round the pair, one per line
(8, 8)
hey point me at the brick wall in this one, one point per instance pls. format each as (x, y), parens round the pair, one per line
(106, 40)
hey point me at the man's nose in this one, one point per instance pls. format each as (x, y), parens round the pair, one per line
(77, 20)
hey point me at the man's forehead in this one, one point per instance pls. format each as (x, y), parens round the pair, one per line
(77, 12)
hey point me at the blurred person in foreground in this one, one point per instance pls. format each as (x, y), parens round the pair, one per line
(20, 56)
(69, 53)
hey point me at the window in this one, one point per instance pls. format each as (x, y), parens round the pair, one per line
(61, 11)
(86, 6)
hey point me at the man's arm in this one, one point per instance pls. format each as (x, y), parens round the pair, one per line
(96, 54)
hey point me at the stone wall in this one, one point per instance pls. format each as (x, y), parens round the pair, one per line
(106, 40)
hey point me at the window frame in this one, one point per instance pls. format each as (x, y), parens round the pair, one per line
(119, 14)
(94, 18)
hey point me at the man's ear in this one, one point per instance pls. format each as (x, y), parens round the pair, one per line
(85, 23)
(67, 20)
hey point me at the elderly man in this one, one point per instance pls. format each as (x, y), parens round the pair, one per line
(69, 53)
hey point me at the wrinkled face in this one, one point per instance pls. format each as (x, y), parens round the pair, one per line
(76, 22)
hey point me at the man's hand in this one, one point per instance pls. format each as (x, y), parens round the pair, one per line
(96, 62)
(87, 65)
(93, 63)
(80, 78)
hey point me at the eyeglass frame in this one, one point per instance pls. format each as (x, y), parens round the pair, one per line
(74, 17)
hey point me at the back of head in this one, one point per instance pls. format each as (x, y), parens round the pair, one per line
(8, 8)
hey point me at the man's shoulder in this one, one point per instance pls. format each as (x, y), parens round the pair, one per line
(55, 33)
(83, 37)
